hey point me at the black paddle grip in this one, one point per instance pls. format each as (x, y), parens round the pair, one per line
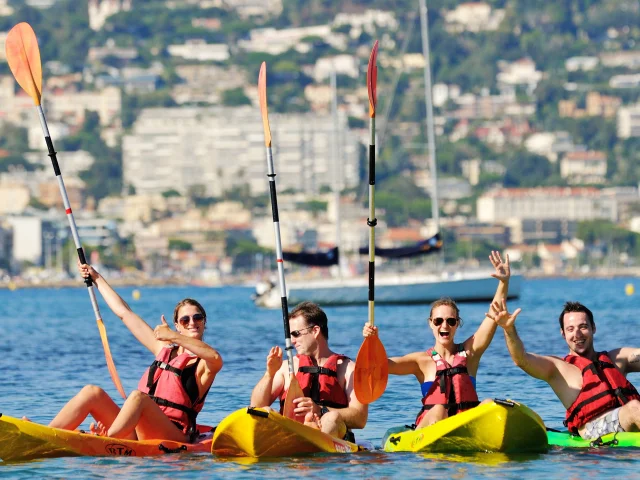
(52, 155)
(372, 274)
(372, 164)
(83, 260)
(274, 201)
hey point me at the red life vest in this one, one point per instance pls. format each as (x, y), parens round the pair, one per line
(163, 383)
(453, 387)
(320, 383)
(604, 388)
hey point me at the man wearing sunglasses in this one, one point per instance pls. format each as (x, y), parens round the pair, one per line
(326, 378)
(591, 385)
(447, 371)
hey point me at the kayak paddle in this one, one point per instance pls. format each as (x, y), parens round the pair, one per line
(294, 386)
(372, 370)
(23, 56)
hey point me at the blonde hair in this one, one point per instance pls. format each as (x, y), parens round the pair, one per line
(447, 302)
(188, 301)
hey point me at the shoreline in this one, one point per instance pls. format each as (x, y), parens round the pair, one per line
(633, 272)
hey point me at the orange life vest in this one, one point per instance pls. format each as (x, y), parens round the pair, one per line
(320, 383)
(162, 381)
(604, 388)
(453, 387)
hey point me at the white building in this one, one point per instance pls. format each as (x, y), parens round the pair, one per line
(625, 81)
(585, 64)
(550, 144)
(5, 11)
(571, 203)
(28, 238)
(443, 93)
(366, 21)
(100, 10)
(473, 17)
(248, 8)
(200, 50)
(629, 121)
(584, 167)
(110, 49)
(520, 72)
(275, 42)
(626, 58)
(223, 147)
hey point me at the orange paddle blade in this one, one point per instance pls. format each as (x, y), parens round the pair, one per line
(294, 392)
(23, 56)
(371, 371)
(262, 96)
(372, 80)
(107, 353)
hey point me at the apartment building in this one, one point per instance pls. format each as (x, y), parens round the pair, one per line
(570, 203)
(219, 148)
(629, 121)
(584, 167)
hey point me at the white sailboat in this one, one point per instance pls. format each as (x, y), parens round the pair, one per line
(399, 288)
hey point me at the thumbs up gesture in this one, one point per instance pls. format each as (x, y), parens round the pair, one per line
(163, 332)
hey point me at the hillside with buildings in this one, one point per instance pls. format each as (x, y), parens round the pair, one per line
(152, 107)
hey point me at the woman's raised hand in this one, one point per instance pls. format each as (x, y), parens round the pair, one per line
(503, 268)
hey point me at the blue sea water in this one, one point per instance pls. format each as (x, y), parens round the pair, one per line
(50, 348)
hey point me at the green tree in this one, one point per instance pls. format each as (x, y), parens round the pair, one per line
(526, 169)
(178, 244)
(313, 206)
(235, 97)
(171, 193)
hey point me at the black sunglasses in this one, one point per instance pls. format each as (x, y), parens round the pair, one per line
(452, 322)
(197, 318)
(297, 333)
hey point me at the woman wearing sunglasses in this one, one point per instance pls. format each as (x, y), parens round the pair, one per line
(447, 371)
(172, 390)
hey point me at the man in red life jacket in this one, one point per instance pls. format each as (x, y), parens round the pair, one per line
(591, 385)
(326, 378)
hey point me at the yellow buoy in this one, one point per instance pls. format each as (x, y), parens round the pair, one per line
(629, 289)
(12, 286)
(136, 294)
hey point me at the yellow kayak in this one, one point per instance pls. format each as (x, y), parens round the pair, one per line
(24, 440)
(499, 426)
(262, 432)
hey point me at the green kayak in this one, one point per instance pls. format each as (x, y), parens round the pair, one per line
(619, 440)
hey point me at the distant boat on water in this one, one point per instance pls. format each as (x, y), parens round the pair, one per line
(404, 288)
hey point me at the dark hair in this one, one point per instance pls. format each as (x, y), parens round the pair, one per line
(576, 307)
(313, 315)
(188, 301)
(445, 301)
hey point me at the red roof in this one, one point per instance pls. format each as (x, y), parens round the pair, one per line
(588, 155)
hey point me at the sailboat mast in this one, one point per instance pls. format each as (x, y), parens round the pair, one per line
(424, 29)
(337, 177)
